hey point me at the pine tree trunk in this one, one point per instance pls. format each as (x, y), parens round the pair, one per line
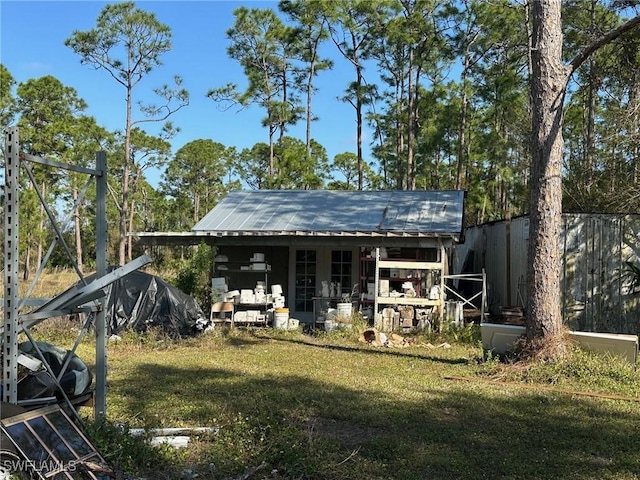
(27, 262)
(124, 207)
(78, 236)
(411, 98)
(271, 170)
(544, 318)
(463, 123)
(132, 212)
(399, 137)
(359, 121)
(39, 247)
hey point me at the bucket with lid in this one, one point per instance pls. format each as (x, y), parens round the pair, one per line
(281, 318)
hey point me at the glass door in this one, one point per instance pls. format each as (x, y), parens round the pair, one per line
(342, 271)
(305, 277)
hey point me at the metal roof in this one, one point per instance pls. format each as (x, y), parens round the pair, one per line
(336, 213)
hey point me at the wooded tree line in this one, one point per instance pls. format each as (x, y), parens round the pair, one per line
(444, 85)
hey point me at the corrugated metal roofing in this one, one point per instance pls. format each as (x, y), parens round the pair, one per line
(333, 212)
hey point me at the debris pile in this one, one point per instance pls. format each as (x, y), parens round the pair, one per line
(375, 338)
(140, 301)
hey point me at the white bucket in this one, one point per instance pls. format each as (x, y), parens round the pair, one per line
(281, 321)
(344, 309)
(281, 318)
(330, 325)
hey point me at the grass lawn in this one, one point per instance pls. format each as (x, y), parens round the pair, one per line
(295, 406)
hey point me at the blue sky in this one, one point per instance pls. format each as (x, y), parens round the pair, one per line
(32, 45)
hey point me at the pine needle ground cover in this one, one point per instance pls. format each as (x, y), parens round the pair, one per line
(296, 406)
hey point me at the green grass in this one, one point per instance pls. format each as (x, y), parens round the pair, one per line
(330, 407)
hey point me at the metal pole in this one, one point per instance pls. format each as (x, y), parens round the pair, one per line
(443, 285)
(100, 405)
(11, 240)
(376, 283)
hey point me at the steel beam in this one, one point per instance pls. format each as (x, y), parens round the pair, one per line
(11, 243)
(100, 400)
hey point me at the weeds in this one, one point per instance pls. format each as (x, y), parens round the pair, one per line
(588, 370)
(125, 452)
(59, 330)
(578, 368)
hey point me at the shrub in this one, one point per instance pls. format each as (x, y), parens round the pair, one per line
(193, 277)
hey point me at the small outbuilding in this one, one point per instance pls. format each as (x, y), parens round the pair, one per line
(310, 250)
(597, 286)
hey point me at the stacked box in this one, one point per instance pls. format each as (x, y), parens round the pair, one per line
(384, 288)
(247, 296)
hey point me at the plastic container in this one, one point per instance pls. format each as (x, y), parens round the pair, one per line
(344, 309)
(281, 318)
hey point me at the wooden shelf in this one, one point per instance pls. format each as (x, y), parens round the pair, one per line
(400, 279)
(413, 301)
(410, 264)
(421, 269)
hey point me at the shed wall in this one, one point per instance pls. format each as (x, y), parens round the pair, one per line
(596, 294)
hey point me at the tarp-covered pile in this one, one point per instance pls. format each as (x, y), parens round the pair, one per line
(140, 300)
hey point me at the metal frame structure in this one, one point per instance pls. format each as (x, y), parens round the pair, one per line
(83, 298)
(481, 294)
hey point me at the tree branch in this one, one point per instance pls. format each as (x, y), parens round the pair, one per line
(600, 42)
